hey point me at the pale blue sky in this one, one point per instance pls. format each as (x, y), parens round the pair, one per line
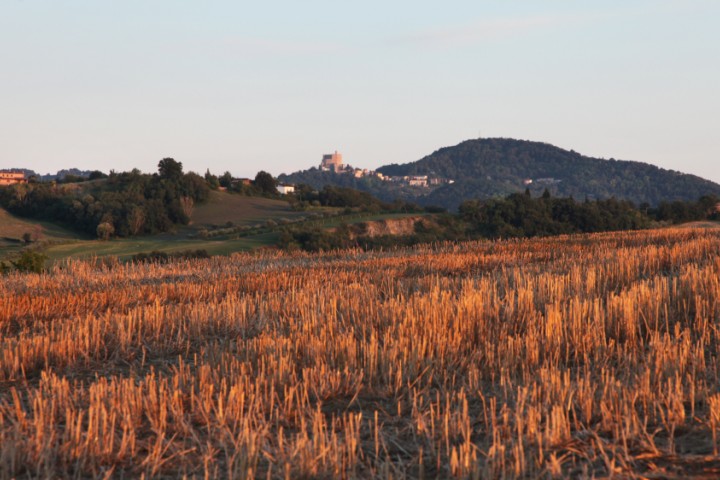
(244, 86)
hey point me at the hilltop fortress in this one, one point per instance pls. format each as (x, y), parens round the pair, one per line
(333, 162)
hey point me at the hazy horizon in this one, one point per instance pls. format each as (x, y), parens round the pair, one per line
(230, 86)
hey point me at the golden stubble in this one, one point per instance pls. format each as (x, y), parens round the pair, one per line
(575, 356)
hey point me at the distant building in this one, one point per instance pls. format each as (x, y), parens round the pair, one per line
(332, 162)
(527, 181)
(439, 181)
(418, 181)
(12, 178)
(285, 189)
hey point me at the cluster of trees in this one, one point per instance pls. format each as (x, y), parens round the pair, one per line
(350, 198)
(28, 261)
(517, 215)
(706, 208)
(124, 204)
(71, 178)
(315, 239)
(264, 184)
(521, 215)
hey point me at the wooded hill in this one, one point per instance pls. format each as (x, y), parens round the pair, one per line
(495, 167)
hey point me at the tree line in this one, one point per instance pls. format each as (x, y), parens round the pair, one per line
(132, 203)
(122, 204)
(522, 215)
(518, 215)
(128, 203)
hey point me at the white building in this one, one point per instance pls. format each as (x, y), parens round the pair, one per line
(418, 181)
(285, 189)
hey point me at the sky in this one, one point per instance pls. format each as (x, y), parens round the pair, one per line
(239, 86)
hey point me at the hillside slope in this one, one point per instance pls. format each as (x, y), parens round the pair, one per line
(13, 228)
(222, 207)
(499, 166)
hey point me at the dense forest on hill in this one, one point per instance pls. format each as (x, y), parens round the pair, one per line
(494, 168)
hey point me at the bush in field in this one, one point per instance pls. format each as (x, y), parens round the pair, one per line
(30, 261)
(316, 239)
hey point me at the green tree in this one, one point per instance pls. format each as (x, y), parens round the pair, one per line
(226, 180)
(212, 180)
(30, 261)
(195, 186)
(170, 169)
(105, 230)
(266, 183)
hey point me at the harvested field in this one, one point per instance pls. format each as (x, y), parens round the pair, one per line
(582, 356)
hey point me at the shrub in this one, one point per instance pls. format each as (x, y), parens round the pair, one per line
(30, 261)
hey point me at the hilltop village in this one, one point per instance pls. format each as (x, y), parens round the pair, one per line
(11, 178)
(333, 162)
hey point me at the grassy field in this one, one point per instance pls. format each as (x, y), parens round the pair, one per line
(225, 207)
(13, 228)
(217, 212)
(124, 249)
(187, 239)
(220, 209)
(589, 356)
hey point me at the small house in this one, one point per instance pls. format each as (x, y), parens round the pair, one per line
(285, 189)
